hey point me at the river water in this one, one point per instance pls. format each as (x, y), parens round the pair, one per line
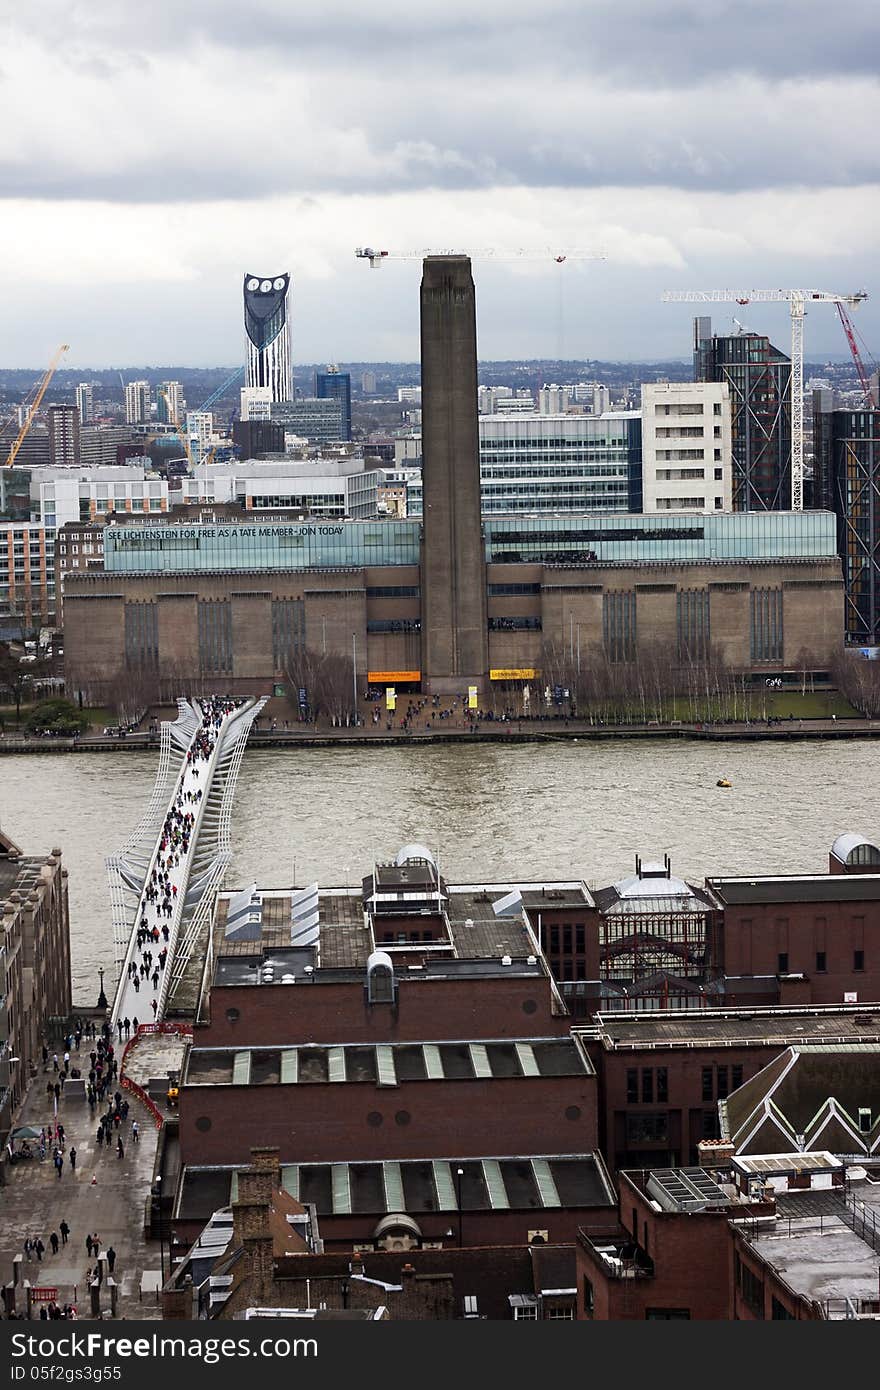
(492, 812)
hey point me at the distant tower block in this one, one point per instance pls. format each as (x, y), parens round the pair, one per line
(267, 328)
(455, 647)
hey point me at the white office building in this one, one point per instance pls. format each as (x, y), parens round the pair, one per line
(324, 486)
(59, 495)
(256, 403)
(687, 451)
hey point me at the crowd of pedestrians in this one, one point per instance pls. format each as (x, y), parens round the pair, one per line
(146, 968)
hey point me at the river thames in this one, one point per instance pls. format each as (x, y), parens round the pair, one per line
(580, 809)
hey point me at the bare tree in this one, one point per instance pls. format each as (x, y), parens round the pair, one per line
(326, 678)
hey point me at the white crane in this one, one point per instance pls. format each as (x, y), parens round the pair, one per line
(487, 253)
(798, 301)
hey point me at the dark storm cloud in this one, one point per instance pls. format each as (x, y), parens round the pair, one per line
(205, 99)
(649, 41)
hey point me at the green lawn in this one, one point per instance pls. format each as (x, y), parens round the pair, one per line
(98, 717)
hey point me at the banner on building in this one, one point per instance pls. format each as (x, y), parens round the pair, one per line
(394, 677)
(472, 697)
(390, 697)
(520, 673)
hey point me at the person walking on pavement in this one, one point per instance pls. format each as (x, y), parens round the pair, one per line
(28, 1248)
(89, 1244)
(96, 1242)
(59, 1163)
(53, 1241)
(72, 1159)
(135, 1132)
(111, 1258)
(39, 1247)
(65, 1232)
(119, 1147)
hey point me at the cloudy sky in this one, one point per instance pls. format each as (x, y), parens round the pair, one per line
(151, 153)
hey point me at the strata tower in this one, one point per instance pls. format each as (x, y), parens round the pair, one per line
(455, 650)
(267, 326)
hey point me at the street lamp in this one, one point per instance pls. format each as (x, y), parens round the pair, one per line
(459, 1174)
(102, 998)
(156, 1216)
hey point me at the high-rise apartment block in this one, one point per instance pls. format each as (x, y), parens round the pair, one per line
(687, 459)
(758, 376)
(368, 383)
(170, 404)
(85, 402)
(137, 402)
(847, 482)
(199, 430)
(336, 385)
(64, 435)
(267, 328)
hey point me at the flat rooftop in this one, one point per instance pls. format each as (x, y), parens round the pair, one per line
(822, 1259)
(732, 1027)
(800, 888)
(387, 1064)
(418, 1186)
(478, 938)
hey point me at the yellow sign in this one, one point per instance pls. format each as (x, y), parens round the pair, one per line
(472, 697)
(525, 673)
(393, 677)
(390, 697)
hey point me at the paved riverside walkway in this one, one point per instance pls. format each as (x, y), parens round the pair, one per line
(34, 1202)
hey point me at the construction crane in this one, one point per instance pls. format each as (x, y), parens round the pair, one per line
(35, 404)
(847, 324)
(489, 253)
(215, 395)
(493, 253)
(797, 301)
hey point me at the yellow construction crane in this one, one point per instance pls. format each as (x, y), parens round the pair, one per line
(35, 404)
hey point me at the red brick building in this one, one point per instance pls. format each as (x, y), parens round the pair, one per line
(661, 1076)
(668, 1257)
(408, 1054)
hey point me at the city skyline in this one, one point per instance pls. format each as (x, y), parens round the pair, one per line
(650, 160)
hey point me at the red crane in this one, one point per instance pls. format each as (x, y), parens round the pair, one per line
(870, 395)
